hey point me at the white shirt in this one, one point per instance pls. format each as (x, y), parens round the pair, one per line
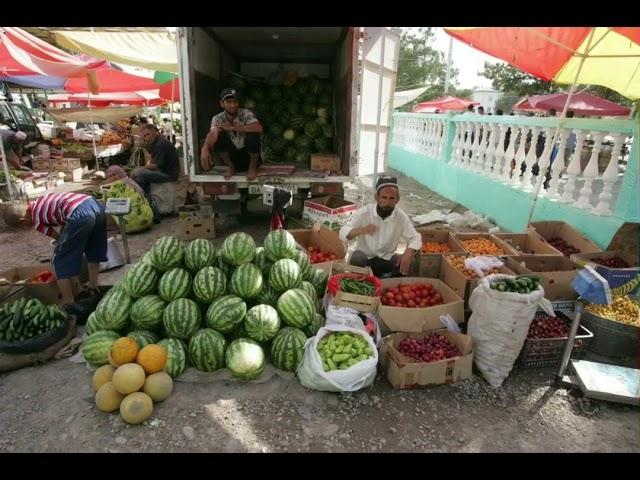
(385, 241)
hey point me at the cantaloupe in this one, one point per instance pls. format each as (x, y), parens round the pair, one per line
(108, 398)
(124, 350)
(152, 358)
(102, 376)
(136, 407)
(128, 378)
(158, 386)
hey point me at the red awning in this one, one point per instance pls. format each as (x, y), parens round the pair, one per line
(581, 104)
(444, 104)
(112, 80)
(149, 99)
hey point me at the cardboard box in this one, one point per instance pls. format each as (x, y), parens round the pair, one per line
(401, 319)
(361, 303)
(75, 175)
(405, 372)
(193, 227)
(323, 162)
(41, 164)
(461, 237)
(48, 293)
(458, 282)
(617, 277)
(529, 243)
(199, 211)
(429, 263)
(322, 238)
(556, 273)
(329, 211)
(552, 229)
(66, 164)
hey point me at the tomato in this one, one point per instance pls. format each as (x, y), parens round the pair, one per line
(391, 303)
(424, 292)
(395, 290)
(389, 295)
(437, 297)
(332, 257)
(398, 297)
(411, 304)
(428, 286)
(424, 303)
(412, 295)
(405, 296)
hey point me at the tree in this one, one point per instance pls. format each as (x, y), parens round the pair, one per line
(509, 79)
(420, 65)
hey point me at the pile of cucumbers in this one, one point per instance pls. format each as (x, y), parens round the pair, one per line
(520, 284)
(28, 317)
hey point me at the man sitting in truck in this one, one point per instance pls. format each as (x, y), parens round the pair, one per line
(161, 164)
(235, 136)
(377, 228)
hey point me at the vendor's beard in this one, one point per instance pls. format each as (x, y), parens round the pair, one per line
(384, 212)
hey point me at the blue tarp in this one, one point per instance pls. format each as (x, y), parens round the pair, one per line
(38, 81)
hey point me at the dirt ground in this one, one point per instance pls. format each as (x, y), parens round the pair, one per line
(50, 408)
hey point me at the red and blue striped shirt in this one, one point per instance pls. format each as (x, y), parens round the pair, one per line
(54, 209)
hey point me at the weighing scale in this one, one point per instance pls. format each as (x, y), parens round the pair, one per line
(119, 207)
(596, 380)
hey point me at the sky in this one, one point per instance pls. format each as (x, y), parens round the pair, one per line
(467, 60)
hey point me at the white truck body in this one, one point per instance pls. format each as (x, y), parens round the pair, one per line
(360, 61)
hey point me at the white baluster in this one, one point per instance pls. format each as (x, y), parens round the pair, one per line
(520, 155)
(475, 147)
(430, 138)
(497, 166)
(590, 172)
(573, 170)
(558, 165)
(464, 160)
(545, 158)
(505, 173)
(421, 137)
(457, 143)
(609, 178)
(441, 138)
(490, 157)
(529, 161)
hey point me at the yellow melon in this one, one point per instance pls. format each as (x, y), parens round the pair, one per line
(136, 407)
(158, 386)
(152, 358)
(128, 378)
(108, 398)
(102, 376)
(123, 350)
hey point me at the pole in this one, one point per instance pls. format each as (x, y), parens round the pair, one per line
(376, 151)
(125, 242)
(93, 138)
(561, 120)
(447, 78)
(7, 175)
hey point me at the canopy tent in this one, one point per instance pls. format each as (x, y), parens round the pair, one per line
(100, 114)
(444, 104)
(38, 81)
(152, 50)
(581, 103)
(606, 56)
(112, 80)
(143, 98)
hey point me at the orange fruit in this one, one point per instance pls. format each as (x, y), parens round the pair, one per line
(152, 358)
(123, 350)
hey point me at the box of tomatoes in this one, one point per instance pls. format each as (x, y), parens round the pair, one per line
(322, 244)
(415, 304)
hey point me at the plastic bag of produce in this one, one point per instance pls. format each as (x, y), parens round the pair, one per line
(499, 324)
(311, 371)
(482, 263)
(141, 216)
(367, 322)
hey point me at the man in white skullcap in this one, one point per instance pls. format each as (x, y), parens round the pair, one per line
(12, 143)
(377, 229)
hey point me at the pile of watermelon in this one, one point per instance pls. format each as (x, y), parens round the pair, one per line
(213, 309)
(297, 117)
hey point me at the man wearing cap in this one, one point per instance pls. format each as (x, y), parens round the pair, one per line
(377, 229)
(84, 232)
(12, 143)
(235, 136)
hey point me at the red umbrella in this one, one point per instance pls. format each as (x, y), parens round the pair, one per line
(581, 104)
(170, 90)
(444, 103)
(112, 80)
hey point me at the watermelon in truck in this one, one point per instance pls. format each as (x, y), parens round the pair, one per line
(315, 90)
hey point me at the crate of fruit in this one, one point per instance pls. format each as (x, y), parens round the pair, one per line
(484, 244)
(547, 338)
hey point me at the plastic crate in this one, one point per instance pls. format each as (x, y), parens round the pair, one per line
(547, 352)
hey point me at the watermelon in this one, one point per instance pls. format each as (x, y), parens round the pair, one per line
(297, 121)
(147, 258)
(317, 322)
(303, 143)
(225, 313)
(224, 266)
(322, 113)
(176, 356)
(143, 337)
(238, 332)
(290, 154)
(296, 308)
(309, 290)
(314, 85)
(261, 260)
(199, 254)
(209, 284)
(318, 278)
(261, 323)
(140, 280)
(275, 130)
(146, 312)
(267, 296)
(181, 318)
(292, 111)
(112, 312)
(246, 281)
(174, 284)
(312, 129)
(92, 325)
(96, 347)
(245, 359)
(287, 348)
(249, 103)
(206, 350)
(284, 274)
(167, 253)
(302, 259)
(238, 249)
(289, 134)
(279, 244)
